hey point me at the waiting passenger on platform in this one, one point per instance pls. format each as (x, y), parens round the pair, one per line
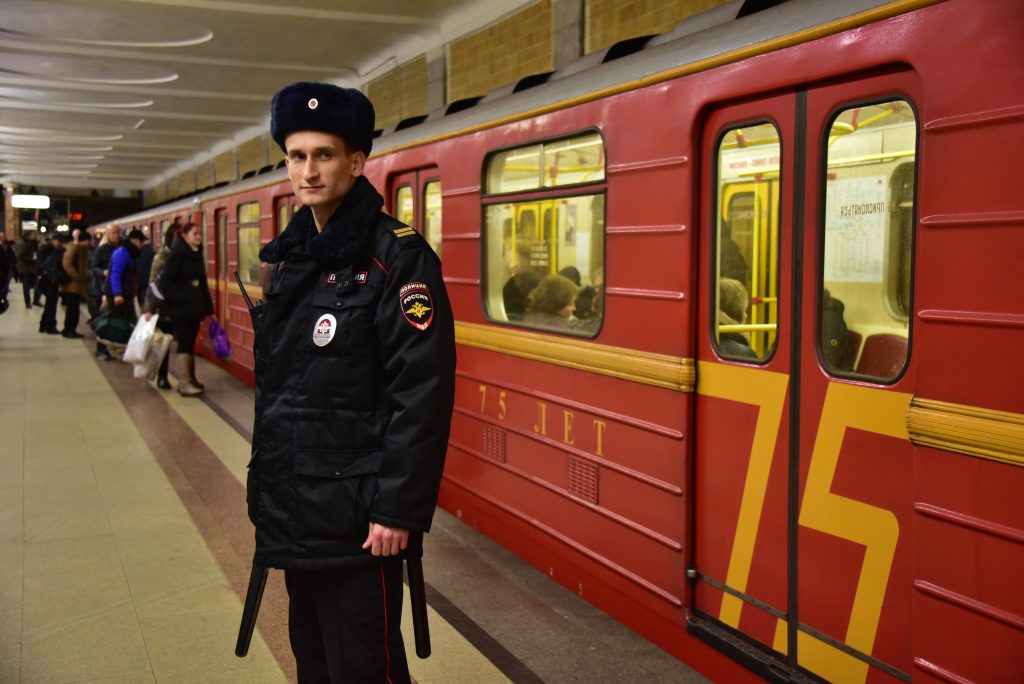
(28, 260)
(553, 302)
(101, 257)
(76, 264)
(145, 265)
(733, 304)
(48, 271)
(119, 288)
(6, 273)
(153, 298)
(186, 299)
(355, 374)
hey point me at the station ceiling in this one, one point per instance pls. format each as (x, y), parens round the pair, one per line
(118, 94)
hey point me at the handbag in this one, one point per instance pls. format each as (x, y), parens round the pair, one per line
(111, 330)
(218, 339)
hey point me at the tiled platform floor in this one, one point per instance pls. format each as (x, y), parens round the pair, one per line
(124, 547)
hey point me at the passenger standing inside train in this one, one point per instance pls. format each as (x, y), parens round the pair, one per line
(154, 297)
(28, 259)
(355, 378)
(186, 299)
(76, 265)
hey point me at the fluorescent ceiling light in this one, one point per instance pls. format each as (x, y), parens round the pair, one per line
(30, 201)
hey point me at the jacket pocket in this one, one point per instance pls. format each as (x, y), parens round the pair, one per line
(333, 493)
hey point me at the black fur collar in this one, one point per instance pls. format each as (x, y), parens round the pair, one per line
(342, 238)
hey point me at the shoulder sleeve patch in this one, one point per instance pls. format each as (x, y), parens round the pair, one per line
(416, 305)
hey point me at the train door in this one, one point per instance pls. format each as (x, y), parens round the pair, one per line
(803, 480)
(415, 200)
(220, 219)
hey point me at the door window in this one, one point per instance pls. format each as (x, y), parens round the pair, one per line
(746, 295)
(868, 238)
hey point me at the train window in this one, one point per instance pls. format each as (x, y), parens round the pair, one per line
(404, 209)
(249, 242)
(432, 214)
(552, 280)
(570, 161)
(284, 214)
(868, 240)
(747, 242)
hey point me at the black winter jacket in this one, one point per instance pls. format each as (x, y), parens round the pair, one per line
(355, 384)
(183, 283)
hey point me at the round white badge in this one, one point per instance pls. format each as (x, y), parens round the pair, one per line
(313, 104)
(323, 331)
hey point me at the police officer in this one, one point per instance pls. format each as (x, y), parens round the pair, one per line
(355, 366)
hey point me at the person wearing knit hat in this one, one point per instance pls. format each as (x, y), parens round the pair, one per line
(355, 371)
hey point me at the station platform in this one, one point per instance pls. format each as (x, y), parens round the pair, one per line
(125, 546)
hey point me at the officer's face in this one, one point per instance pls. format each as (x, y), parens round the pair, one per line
(321, 168)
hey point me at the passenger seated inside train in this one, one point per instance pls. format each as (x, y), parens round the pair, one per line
(835, 336)
(733, 304)
(516, 293)
(552, 302)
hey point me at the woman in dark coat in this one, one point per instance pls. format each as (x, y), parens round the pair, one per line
(186, 300)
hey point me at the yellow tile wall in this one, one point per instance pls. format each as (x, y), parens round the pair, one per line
(501, 53)
(224, 167)
(274, 153)
(187, 182)
(250, 155)
(400, 93)
(609, 21)
(204, 174)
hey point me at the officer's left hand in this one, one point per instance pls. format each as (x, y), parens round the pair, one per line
(386, 541)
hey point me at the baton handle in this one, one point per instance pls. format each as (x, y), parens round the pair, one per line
(418, 604)
(257, 581)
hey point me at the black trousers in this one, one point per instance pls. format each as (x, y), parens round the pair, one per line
(72, 312)
(28, 281)
(185, 330)
(48, 321)
(345, 624)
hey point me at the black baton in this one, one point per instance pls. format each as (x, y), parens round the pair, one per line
(257, 580)
(418, 601)
(245, 295)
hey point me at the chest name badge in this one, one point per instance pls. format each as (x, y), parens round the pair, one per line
(324, 330)
(416, 305)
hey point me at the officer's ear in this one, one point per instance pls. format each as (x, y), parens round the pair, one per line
(358, 161)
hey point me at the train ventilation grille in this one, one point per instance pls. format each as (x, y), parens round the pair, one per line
(583, 479)
(494, 443)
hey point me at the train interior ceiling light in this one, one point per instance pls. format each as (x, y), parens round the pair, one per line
(30, 201)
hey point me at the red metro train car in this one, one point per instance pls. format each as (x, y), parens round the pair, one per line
(739, 331)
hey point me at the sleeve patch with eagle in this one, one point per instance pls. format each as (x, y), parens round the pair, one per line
(416, 304)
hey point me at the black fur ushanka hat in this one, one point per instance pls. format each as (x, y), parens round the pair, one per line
(323, 107)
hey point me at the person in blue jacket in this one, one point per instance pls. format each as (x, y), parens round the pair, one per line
(120, 285)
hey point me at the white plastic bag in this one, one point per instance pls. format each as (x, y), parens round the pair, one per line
(140, 341)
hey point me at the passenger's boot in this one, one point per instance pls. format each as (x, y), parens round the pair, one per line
(186, 367)
(161, 374)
